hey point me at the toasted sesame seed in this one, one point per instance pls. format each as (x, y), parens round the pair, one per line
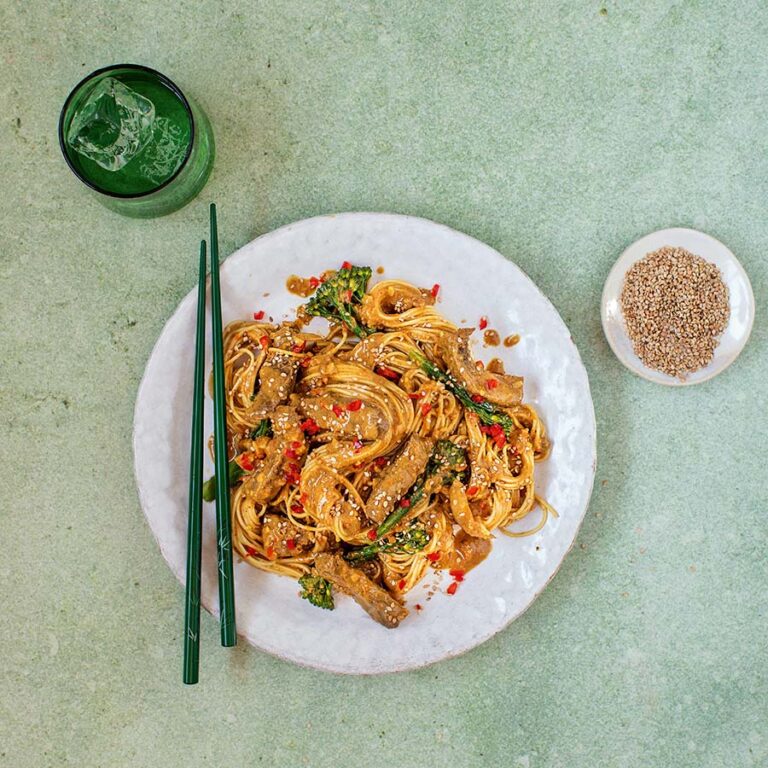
(675, 306)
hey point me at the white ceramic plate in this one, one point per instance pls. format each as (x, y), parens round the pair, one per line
(475, 280)
(740, 296)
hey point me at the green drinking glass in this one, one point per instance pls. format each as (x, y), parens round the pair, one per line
(130, 134)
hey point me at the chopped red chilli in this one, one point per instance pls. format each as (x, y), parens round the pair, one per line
(425, 409)
(415, 395)
(405, 503)
(346, 265)
(372, 534)
(290, 543)
(289, 453)
(491, 384)
(337, 409)
(387, 373)
(457, 573)
(472, 490)
(264, 342)
(435, 290)
(452, 588)
(309, 426)
(401, 584)
(380, 461)
(483, 324)
(433, 557)
(355, 405)
(251, 552)
(258, 315)
(477, 399)
(314, 282)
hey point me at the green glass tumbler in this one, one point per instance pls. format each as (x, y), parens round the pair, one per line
(131, 135)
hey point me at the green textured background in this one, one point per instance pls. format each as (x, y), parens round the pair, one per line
(558, 132)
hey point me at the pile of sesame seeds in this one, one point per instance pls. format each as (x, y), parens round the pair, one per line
(675, 305)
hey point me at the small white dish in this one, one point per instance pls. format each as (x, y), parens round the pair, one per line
(740, 296)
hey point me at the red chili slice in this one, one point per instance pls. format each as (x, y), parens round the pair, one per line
(405, 503)
(415, 395)
(264, 342)
(296, 508)
(453, 587)
(491, 384)
(433, 557)
(425, 409)
(380, 461)
(258, 315)
(401, 584)
(387, 373)
(314, 282)
(251, 552)
(457, 573)
(435, 290)
(299, 347)
(306, 361)
(289, 453)
(477, 399)
(337, 409)
(309, 426)
(346, 265)
(290, 543)
(483, 324)
(355, 405)
(417, 606)
(244, 461)
(472, 490)
(372, 534)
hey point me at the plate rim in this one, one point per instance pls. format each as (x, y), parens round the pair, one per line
(620, 268)
(471, 643)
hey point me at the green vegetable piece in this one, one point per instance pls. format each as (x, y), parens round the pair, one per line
(446, 462)
(337, 299)
(262, 429)
(486, 411)
(414, 539)
(235, 472)
(317, 590)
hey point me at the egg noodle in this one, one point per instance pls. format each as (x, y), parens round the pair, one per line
(362, 458)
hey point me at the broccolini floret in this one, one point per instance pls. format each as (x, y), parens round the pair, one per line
(317, 590)
(337, 299)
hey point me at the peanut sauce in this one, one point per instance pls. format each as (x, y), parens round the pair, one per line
(301, 286)
(491, 338)
(379, 270)
(510, 341)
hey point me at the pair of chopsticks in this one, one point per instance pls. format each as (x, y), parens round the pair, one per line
(195, 523)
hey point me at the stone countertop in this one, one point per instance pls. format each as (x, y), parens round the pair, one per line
(556, 132)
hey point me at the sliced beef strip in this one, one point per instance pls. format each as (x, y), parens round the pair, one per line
(267, 482)
(390, 486)
(375, 600)
(454, 350)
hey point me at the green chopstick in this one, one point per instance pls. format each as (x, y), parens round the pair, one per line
(195, 522)
(223, 523)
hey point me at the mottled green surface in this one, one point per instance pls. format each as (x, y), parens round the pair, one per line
(556, 132)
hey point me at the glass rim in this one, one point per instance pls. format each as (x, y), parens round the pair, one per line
(166, 82)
